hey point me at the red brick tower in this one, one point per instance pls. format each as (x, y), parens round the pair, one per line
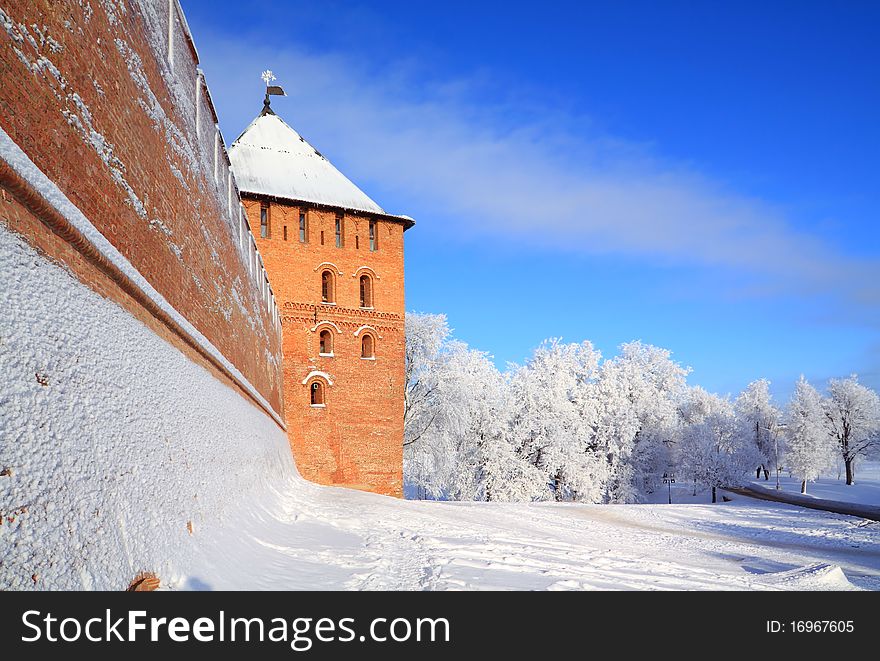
(335, 262)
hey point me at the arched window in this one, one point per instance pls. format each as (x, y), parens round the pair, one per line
(327, 293)
(325, 344)
(316, 391)
(367, 346)
(366, 291)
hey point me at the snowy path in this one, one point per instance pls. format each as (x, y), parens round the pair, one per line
(324, 538)
(839, 507)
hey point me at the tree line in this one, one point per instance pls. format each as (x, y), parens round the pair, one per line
(569, 426)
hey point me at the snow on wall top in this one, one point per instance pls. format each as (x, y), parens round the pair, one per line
(270, 158)
(158, 185)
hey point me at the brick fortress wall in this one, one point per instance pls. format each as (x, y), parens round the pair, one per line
(107, 100)
(356, 439)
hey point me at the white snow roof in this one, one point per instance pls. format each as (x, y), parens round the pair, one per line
(270, 158)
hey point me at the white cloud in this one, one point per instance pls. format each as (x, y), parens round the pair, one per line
(454, 151)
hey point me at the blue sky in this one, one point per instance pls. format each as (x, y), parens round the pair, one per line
(700, 176)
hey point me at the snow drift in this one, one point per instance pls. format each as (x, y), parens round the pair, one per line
(114, 444)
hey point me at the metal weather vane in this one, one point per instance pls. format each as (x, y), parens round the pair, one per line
(271, 90)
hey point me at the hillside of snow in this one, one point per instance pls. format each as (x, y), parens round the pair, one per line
(311, 537)
(119, 456)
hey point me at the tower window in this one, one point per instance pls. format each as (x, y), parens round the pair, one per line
(367, 346)
(264, 221)
(316, 391)
(366, 291)
(357, 242)
(327, 293)
(302, 226)
(374, 243)
(325, 347)
(322, 237)
(285, 232)
(339, 230)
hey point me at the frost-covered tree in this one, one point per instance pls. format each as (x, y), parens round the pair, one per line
(638, 395)
(566, 426)
(757, 423)
(481, 462)
(551, 410)
(456, 445)
(853, 413)
(809, 447)
(710, 449)
(425, 338)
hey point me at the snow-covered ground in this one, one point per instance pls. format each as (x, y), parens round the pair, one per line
(311, 537)
(832, 485)
(113, 445)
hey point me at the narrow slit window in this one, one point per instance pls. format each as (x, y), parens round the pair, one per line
(322, 237)
(264, 221)
(373, 243)
(302, 226)
(338, 231)
(285, 232)
(357, 242)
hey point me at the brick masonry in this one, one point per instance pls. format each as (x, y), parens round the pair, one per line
(106, 99)
(356, 439)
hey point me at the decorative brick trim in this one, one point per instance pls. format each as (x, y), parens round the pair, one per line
(317, 374)
(325, 322)
(369, 329)
(355, 312)
(365, 269)
(287, 320)
(323, 264)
